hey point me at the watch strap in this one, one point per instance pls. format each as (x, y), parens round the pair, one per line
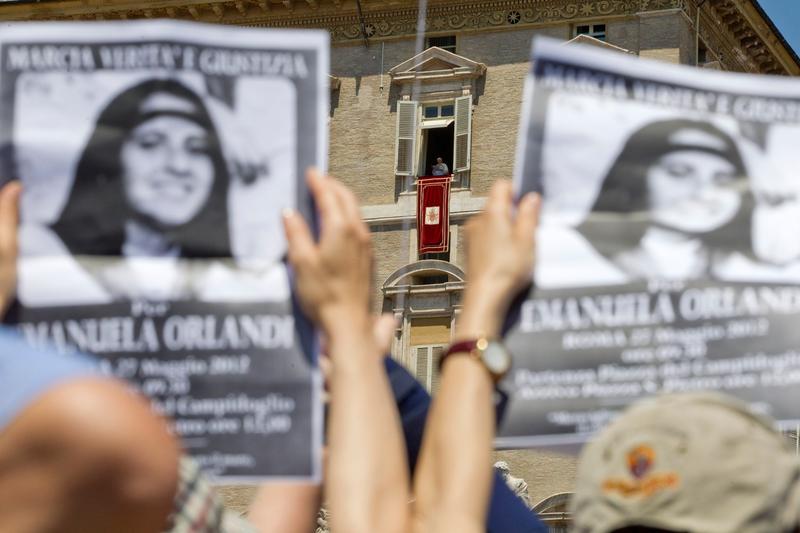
(471, 348)
(465, 347)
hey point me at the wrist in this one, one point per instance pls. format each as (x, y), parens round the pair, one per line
(340, 319)
(480, 317)
(349, 336)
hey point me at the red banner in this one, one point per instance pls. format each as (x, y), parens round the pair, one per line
(433, 214)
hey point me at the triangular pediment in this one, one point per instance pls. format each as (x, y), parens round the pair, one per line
(593, 41)
(436, 63)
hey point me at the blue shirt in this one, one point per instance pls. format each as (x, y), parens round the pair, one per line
(27, 372)
(507, 513)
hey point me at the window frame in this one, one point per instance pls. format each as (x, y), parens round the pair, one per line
(431, 378)
(406, 179)
(449, 47)
(599, 35)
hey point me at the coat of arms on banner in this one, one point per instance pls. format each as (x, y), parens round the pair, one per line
(432, 215)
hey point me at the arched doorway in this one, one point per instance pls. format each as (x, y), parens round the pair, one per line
(554, 511)
(425, 297)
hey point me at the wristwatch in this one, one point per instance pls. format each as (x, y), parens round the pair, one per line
(491, 354)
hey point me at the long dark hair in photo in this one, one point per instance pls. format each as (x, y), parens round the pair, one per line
(92, 221)
(625, 188)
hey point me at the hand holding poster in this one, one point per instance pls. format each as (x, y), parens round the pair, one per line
(668, 253)
(155, 168)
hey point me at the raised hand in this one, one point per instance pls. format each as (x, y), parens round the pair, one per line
(500, 259)
(333, 276)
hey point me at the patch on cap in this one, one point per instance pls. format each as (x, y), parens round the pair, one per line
(640, 461)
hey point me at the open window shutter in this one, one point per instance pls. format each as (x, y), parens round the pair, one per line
(435, 376)
(423, 364)
(463, 134)
(406, 137)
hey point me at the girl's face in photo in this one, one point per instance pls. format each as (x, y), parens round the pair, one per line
(693, 191)
(167, 167)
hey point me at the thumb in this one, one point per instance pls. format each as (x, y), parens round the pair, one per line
(9, 220)
(299, 241)
(527, 219)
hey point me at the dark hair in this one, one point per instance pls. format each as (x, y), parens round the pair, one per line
(93, 219)
(625, 189)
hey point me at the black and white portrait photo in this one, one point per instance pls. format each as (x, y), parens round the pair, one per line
(663, 193)
(168, 171)
(668, 256)
(155, 170)
(667, 200)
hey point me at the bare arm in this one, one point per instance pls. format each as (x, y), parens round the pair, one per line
(367, 480)
(454, 477)
(285, 508)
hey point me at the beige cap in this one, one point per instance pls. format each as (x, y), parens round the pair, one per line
(698, 462)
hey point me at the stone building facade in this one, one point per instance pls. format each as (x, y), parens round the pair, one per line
(399, 99)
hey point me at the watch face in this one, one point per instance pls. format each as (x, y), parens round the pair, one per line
(496, 358)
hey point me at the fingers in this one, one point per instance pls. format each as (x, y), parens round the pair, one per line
(527, 216)
(347, 201)
(326, 198)
(337, 205)
(9, 219)
(299, 240)
(500, 199)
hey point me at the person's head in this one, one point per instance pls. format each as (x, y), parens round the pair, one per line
(439, 161)
(683, 174)
(503, 468)
(154, 157)
(692, 463)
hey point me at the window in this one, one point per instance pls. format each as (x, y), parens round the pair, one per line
(445, 43)
(598, 31)
(439, 111)
(427, 365)
(431, 130)
(441, 256)
(702, 53)
(430, 279)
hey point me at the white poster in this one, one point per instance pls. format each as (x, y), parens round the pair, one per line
(668, 252)
(156, 158)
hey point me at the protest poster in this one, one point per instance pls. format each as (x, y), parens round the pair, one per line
(156, 158)
(668, 253)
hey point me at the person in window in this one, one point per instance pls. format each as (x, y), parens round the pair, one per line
(440, 168)
(151, 186)
(670, 202)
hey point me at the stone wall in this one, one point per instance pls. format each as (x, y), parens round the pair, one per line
(393, 248)
(666, 36)
(362, 126)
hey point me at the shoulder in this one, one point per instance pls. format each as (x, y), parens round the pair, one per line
(253, 282)
(38, 240)
(26, 372)
(567, 259)
(50, 275)
(739, 267)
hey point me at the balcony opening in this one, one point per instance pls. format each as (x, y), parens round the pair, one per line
(436, 142)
